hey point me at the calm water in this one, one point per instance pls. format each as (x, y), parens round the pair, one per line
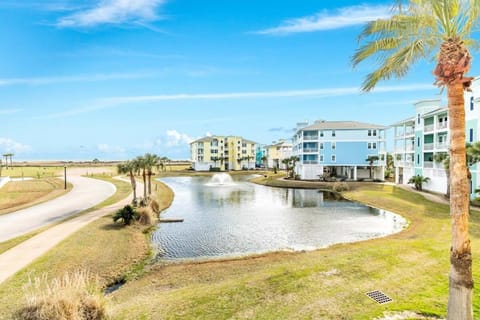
(240, 218)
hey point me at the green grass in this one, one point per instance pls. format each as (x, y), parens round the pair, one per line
(33, 172)
(411, 267)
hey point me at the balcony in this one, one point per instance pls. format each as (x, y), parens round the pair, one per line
(428, 146)
(428, 164)
(306, 150)
(442, 146)
(428, 128)
(310, 162)
(310, 138)
(409, 148)
(442, 126)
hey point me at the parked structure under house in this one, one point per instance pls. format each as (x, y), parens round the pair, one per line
(222, 152)
(339, 149)
(276, 153)
(420, 138)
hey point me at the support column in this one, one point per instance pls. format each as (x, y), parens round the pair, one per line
(355, 173)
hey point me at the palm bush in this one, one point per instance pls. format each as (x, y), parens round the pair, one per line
(145, 216)
(127, 214)
(418, 181)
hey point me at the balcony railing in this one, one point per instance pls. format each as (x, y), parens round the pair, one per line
(428, 128)
(310, 150)
(310, 162)
(428, 164)
(442, 146)
(310, 138)
(442, 125)
(428, 146)
(409, 148)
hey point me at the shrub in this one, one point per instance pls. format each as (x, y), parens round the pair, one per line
(155, 206)
(72, 296)
(127, 214)
(340, 186)
(145, 216)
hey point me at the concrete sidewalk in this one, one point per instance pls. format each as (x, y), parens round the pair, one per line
(22, 255)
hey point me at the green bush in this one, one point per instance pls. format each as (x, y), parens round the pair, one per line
(127, 214)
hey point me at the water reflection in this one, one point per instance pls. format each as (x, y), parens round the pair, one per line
(242, 218)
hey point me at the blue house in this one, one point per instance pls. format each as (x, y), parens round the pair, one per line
(340, 149)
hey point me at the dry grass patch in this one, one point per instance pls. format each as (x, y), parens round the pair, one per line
(75, 296)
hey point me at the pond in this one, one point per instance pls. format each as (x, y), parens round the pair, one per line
(225, 217)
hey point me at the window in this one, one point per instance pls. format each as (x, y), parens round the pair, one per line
(334, 145)
(369, 133)
(334, 158)
(321, 133)
(418, 142)
(471, 103)
(418, 159)
(369, 145)
(374, 145)
(418, 118)
(321, 158)
(333, 133)
(471, 135)
(374, 133)
(321, 145)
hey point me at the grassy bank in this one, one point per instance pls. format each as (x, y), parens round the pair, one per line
(109, 250)
(411, 267)
(17, 195)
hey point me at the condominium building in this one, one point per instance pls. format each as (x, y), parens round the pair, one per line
(277, 152)
(340, 149)
(417, 141)
(222, 152)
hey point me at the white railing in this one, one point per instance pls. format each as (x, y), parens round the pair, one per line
(409, 132)
(310, 161)
(428, 164)
(409, 148)
(310, 150)
(442, 125)
(442, 145)
(428, 128)
(310, 138)
(428, 146)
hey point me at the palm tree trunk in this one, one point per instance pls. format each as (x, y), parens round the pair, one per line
(149, 183)
(461, 281)
(134, 185)
(144, 176)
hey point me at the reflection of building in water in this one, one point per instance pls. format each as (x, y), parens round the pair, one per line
(301, 198)
(219, 196)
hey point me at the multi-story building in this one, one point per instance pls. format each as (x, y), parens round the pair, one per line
(419, 139)
(276, 152)
(223, 152)
(340, 149)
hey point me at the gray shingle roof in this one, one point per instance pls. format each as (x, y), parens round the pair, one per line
(342, 125)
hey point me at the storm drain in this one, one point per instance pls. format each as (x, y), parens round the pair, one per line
(379, 297)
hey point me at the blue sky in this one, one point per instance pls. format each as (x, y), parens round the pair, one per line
(113, 79)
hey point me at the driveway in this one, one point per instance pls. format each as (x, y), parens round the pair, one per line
(85, 194)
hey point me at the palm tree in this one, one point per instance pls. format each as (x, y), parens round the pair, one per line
(140, 162)
(440, 29)
(264, 161)
(371, 160)
(129, 167)
(248, 158)
(418, 181)
(150, 161)
(444, 159)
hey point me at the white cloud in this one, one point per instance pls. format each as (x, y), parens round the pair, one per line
(9, 111)
(106, 148)
(114, 12)
(175, 138)
(208, 134)
(325, 20)
(74, 78)
(9, 145)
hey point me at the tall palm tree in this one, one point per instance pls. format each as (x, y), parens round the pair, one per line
(129, 167)
(371, 160)
(150, 161)
(442, 29)
(140, 162)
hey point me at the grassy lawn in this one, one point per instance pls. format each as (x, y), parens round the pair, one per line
(109, 250)
(33, 172)
(411, 267)
(17, 195)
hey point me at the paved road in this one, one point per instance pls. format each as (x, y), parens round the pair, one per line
(85, 194)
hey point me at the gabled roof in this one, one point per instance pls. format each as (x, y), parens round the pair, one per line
(438, 110)
(412, 119)
(341, 125)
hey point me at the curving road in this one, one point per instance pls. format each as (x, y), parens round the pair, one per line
(85, 194)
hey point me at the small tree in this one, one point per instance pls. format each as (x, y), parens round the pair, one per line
(127, 214)
(418, 181)
(371, 160)
(265, 162)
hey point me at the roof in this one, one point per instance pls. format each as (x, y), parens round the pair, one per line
(204, 139)
(210, 138)
(411, 119)
(438, 110)
(341, 125)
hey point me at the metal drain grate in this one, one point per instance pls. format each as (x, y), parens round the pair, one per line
(379, 297)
